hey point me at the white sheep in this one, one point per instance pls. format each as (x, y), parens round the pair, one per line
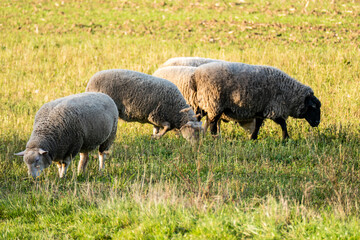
(243, 92)
(147, 99)
(69, 125)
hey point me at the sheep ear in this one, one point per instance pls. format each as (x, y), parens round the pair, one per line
(185, 109)
(20, 153)
(197, 115)
(42, 151)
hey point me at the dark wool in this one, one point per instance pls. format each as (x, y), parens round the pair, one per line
(243, 91)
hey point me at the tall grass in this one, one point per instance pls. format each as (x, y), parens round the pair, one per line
(228, 188)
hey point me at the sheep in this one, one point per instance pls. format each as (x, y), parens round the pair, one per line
(147, 99)
(188, 61)
(69, 125)
(243, 92)
(181, 76)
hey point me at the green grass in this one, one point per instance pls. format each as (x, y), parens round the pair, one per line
(229, 188)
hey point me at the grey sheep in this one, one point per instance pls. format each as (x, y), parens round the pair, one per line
(69, 125)
(243, 92)
(147, 99)
(181, 76)
(188, 61)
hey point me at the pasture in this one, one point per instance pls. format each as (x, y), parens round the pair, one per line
(228, 188)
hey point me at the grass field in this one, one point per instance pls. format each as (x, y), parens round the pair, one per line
(229, 188)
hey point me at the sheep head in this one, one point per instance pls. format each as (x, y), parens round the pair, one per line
(36, 160)
(191, 131)
(311, 111)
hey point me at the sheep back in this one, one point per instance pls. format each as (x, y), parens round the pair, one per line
(243, 91)
(188, 61)
(143, 98)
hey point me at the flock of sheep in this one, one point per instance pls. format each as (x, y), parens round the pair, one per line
(176, 96)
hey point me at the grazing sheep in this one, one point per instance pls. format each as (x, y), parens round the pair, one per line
(243, 92)
(147, 99)
(68, 125)
(188, 61)
(181, 76)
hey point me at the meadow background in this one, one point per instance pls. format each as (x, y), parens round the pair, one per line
(229, 188)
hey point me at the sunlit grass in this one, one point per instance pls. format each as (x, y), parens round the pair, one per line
(229, 188)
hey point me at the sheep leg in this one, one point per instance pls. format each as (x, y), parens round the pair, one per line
(102, 157)
(206, 124)
(63, 166)
(218, 127)
(166, 127)
(214, 124)
(282, 123)
(156, 130)
(59, 168)
(258, 123)
(104, 147)
(84, 158)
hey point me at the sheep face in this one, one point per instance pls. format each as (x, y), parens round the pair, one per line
(36, 160)
(191, 131)
(311, 111)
